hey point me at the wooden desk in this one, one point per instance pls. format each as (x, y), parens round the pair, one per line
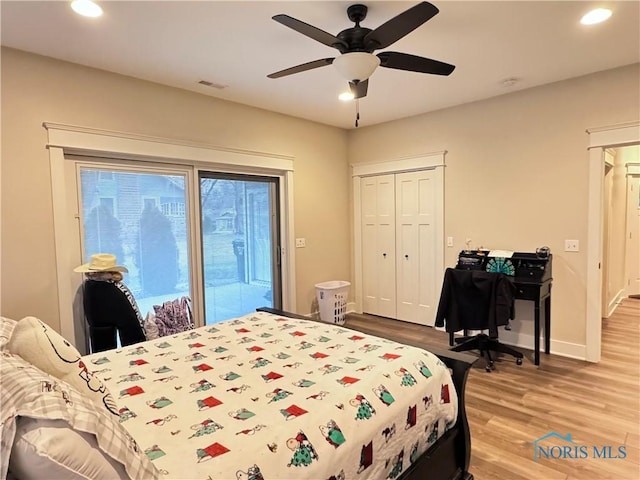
(539, 293)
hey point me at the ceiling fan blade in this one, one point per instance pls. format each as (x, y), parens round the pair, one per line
(310, 31)
(302, 68)
(404, 61)
(359, 89)
(400, 25)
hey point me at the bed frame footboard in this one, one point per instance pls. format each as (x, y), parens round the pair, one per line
(450, 456)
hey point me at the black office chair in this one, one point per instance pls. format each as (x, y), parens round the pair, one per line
(477, 300)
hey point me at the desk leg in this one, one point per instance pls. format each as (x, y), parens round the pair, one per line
(536, 334)
(547, 325)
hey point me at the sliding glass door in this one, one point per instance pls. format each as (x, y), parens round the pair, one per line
(240, 244)
(211, 236)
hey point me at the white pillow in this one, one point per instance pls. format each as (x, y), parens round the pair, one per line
(29, 393)
(6, 328)
(40, 345)
(45, 448)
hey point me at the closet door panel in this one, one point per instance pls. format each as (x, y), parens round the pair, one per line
(425, 265)
(378, 245)
(406, 210)
(386, 246)
(415, 247)
(369, 244)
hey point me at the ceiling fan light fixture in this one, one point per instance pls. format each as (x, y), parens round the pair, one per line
(356, 66)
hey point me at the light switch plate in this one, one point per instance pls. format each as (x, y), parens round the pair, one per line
(571, 246)
(449, 241)
(300, 243)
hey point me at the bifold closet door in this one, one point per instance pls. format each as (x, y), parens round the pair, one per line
(378, 245)
(415, 247)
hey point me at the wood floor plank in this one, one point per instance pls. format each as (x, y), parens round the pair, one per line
(489, 469)
(633, 438)
(511, 407)
(502, 454)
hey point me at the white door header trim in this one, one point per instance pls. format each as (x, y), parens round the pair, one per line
(419, 162)
(614, 135)
(83, 140)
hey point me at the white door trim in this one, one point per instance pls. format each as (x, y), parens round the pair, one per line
(405, 164)
(633, 169)
(435, 161)
(599, 139)
(70, 139)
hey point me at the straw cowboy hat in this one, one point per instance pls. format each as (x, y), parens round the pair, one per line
(101, 262)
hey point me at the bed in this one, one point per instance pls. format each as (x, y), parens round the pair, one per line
(272, 395)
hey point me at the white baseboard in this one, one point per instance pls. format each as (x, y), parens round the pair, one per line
(613, 304)
(523, 340)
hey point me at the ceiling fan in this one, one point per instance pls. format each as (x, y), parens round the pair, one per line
(356, 45)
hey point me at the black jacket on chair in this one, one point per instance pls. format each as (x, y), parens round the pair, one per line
(109, 312)
(475, 300)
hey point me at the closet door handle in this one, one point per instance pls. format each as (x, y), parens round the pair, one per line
(407, 257)
(384, 255)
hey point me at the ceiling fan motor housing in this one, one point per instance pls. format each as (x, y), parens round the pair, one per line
(354, 36)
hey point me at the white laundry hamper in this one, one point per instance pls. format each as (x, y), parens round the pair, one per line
(332, 300)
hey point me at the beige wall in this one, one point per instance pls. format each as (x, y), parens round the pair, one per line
(516, 174)
(37, 89)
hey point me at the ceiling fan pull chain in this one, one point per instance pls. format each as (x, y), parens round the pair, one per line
(357, 111)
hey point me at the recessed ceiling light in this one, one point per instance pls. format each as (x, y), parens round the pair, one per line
(346, 96)
(596, 16)
(86, 8)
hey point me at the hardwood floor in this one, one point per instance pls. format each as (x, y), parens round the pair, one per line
(511, 407)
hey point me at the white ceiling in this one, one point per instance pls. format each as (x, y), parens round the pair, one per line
(237, 44)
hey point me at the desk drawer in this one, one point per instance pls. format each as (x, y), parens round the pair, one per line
(527, 292)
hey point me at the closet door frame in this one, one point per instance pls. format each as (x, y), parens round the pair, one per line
(429, 161)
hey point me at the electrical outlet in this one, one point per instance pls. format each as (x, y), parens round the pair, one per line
(449, 241)
(571, 246)
(300, 243)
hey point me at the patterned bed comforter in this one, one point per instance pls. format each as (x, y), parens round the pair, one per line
(266, 397)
